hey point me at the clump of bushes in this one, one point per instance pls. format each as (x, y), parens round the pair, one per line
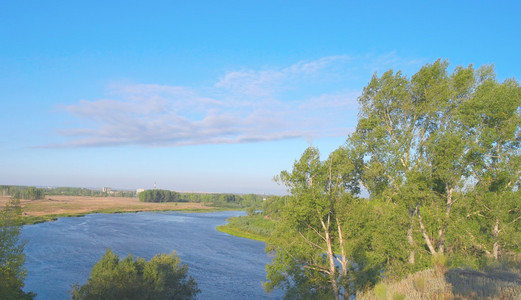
(163, 277)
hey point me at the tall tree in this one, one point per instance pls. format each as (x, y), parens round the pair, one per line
(310, 245)
(425, 140)
(439, 155)
(494, 116)
(391, 135)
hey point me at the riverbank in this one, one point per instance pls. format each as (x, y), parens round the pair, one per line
(53, 207)
(256, 227)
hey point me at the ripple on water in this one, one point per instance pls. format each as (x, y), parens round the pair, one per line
(60, 253)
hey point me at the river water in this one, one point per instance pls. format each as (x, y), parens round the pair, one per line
(61, 253)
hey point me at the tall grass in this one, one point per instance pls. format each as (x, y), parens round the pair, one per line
(498, 280)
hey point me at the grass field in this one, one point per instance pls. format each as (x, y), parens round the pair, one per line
(52, 207)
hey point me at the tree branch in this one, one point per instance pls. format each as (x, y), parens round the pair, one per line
(425, 235)
(311, 243)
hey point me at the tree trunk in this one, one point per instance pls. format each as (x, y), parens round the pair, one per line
(411, 243)
(441, 233)
(330, 256)
(410, 237)
(332, 269)
(344, 262)
(495, 248)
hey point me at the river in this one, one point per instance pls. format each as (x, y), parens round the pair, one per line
(61, 253)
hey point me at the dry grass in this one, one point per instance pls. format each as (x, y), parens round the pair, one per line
(77, 205)
(454, 284)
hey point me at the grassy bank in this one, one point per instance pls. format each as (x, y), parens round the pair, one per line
(497, 281)
(255, 227)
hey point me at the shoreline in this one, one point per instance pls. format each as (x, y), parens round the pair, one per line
(56, 206)
(32, 220)
(235, 231)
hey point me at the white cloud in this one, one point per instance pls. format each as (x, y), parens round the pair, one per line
(308, 99)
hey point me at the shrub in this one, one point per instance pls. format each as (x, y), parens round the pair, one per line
(163, 277)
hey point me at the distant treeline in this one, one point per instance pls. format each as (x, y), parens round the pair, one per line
(33, 193)
(22, 192)
(74, 191)
(220, 200)
(156, 195)
(159, 196)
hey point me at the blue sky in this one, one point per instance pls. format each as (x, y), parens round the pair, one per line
(212, 96)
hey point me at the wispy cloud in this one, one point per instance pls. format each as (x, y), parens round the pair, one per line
(308, 99)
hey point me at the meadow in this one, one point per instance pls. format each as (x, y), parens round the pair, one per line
(52, 207)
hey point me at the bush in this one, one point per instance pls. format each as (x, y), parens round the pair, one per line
(163, 277)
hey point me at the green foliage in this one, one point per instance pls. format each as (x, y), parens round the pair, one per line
(431, 142)
(375, 231)
(74, 191)
(252, 226)
(233, 201)
(272, 207)
(159, 196)
(163, 277)
(23, 192)
(218, 200)
(251, 211)
(438, 154)
(12, 272)
(308, 234)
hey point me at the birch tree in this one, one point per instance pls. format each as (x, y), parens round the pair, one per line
(415, 147)
(309, 241)
(494, 115)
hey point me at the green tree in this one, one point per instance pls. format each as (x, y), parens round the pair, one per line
(12, 272)
(439, 154)
(391, 135)
(494, 114)
(163, 277)
(418, 139)
(272, 206)
(309, 240)
(159, 196)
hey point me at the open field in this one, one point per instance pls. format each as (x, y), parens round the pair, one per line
(55, 206)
